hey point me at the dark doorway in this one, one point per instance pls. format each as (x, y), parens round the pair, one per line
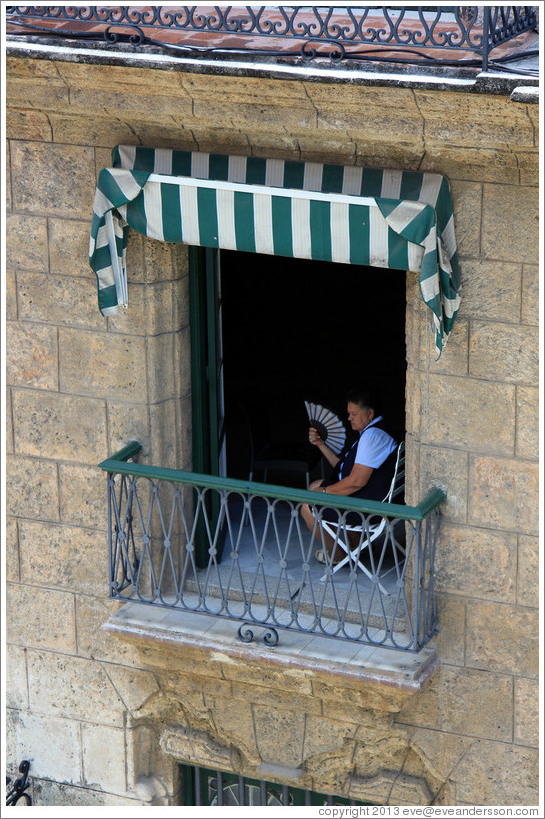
(296, 330)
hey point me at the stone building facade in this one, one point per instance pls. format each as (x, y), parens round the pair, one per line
(105, 706)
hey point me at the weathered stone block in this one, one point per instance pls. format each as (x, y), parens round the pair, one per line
(39, 94)
(435, 754)
(85, 127)
(528, 583)
(59, 300)
(164, 437)
(28, 125)
(72, 688)
(41, 618)
(467, 203)
(467, 163)
(274, 146)
(474, 119)
(530, 294)
(16, 677)
(528, 163)
(324, 736)
(487, 770)
(103, 756)
(32, 356)
(318, 149)
(463, 413)
(449, 643)
(161, 261)
(52, 743)
(284, 700)
(69, 248)
(125, 426)
(59, 426)
(103, 365)
(410, 790)
(11, 535)
(11, 294)
(150, 312)
(502, 638)
(527, 445)
(7, 176)
(232, 722)
(269, 115)
(527, 702)
(453, 697)
(477, 563)
(504, 207)
(504, 352)
(83, 495)
(454, 356)
(32, 489)
(270, 725)
(403, 154)
(8, 429)
(160, 357)
(57, 795)
(134, 685)
(491, 290)
(182, 362)
(94, 641)
(503, 494)
(68, 558)
(67, 188)
(26, 243)
(446, 469)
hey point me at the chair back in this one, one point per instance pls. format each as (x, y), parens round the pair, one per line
(398, 481)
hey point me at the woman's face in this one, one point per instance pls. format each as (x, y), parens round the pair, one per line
(358, 416)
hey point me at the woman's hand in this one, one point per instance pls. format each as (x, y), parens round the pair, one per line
(314, 438)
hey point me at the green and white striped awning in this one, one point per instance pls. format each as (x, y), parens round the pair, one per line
(353, 215)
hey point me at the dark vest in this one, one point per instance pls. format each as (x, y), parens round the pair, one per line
(378, 484)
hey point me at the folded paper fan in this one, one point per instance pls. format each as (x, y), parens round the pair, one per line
(329, 426)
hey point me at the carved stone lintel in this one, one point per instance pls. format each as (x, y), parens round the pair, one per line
(198, 748)
(390, 788)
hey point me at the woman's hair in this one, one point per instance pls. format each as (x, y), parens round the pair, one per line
(365, 397)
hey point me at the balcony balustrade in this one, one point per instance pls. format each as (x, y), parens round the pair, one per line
(240, 550)
(430, 35)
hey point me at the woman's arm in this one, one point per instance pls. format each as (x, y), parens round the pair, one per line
(357, 479)
(328, 453)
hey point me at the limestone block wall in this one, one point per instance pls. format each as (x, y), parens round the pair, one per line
(80, 386)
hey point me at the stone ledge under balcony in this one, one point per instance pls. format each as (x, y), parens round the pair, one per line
(164, 635)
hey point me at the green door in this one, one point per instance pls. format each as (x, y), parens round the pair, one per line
(208, 408)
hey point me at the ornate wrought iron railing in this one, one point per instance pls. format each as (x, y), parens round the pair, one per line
(17, 791)
(418, 34)
(240, 550)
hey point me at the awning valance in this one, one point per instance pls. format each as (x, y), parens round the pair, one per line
(352, 215)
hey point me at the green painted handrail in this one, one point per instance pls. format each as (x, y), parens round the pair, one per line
(118, 464)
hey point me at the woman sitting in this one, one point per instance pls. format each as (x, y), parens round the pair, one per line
(363, 470)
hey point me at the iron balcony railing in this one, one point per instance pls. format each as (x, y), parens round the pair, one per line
(240, 550)
(440, 35)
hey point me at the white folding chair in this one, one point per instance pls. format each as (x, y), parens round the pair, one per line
(368, 532)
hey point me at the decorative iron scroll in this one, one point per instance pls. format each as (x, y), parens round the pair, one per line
(389, 33)
(246, 634)
(18, 789)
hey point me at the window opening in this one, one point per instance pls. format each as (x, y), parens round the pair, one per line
(295, 330)
(202, 786)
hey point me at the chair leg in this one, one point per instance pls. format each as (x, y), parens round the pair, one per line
(352, 554)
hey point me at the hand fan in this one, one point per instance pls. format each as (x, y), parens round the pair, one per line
(329, 426)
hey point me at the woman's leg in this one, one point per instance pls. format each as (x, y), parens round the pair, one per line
(314, 526)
